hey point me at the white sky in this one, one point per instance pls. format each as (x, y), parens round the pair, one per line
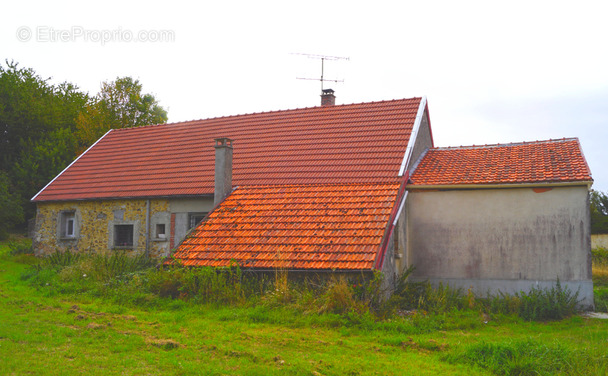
(492, 72)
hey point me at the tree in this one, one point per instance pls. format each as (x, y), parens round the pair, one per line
(37, 125)
(31, 108)
(44, 127)
(11, 212)
(599, 212)
(119, 104)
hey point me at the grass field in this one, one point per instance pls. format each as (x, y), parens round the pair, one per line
(46, 332)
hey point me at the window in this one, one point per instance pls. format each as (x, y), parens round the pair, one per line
(160, 231)
(123, 236)
(67, 227)
(195, 218)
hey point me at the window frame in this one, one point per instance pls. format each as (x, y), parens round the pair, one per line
(157, 234)
(191, 219)
(66, 217)
(116, 233)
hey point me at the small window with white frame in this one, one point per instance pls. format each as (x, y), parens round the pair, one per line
(161, 231)
(67, 226)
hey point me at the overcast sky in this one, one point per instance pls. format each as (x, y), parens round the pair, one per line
(518, 71)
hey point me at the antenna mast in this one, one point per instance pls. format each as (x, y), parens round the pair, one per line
(322, 58)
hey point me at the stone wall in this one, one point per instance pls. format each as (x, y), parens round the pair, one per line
(95, 224)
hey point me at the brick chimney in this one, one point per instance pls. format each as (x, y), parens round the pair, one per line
(328, 98)
(223, 169)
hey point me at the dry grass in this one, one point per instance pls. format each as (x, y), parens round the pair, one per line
(600, 265)
(600, 272)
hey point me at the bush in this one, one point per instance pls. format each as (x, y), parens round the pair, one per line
(599, 256)
(601, 299)
(20, 247)
(204, 284)
(555, 303)
(423, 296)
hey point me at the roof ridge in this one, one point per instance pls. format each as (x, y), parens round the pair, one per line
(520, 143)
(268, 113)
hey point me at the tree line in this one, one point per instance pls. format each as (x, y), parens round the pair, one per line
(45, 126)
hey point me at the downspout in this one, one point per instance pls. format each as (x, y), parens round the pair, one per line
(148, 228)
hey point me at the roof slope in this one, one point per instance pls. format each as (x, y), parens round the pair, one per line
(356, 143)
(550, 161)
(320, 227)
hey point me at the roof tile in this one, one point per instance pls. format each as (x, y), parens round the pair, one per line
(323, 227)
(356, 143)
(529, 162)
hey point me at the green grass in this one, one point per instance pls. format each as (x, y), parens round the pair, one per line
(600, 278)
(63, 329)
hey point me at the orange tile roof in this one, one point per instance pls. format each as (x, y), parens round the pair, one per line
(322, 227)
(356, 143)
(548, 161)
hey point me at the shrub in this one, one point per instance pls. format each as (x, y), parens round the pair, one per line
(555, 303)
(423, 296)
(59, 260)
(204, 284)
(599, 256)
(20, 247)
(601, 299)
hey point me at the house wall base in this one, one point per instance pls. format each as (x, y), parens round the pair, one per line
(483, 287)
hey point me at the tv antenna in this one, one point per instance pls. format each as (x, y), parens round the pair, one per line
(322, 58)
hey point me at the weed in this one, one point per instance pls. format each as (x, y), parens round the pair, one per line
(600, 266)
(600, 294)
(20, 247)
(522, 358)
(555, 303)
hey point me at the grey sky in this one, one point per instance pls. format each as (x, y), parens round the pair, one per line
(492, 72)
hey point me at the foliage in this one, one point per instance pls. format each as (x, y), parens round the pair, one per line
(555, 303)
(119, 104)
(599, 256)
(37, 121)
(423, 296)
(20, 247)
(599, 212)
(519, 358)
(11, 212)
(45, 126)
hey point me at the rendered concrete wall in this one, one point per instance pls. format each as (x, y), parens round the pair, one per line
(95, 221)
(181, 210)
(423, 142)
(501, 239)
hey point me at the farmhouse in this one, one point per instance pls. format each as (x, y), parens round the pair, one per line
(335, 188)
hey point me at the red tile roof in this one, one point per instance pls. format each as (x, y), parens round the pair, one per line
(321, 227)
(548, 161)
(357, 143)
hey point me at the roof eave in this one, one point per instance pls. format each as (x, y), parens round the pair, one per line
(204, 195)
